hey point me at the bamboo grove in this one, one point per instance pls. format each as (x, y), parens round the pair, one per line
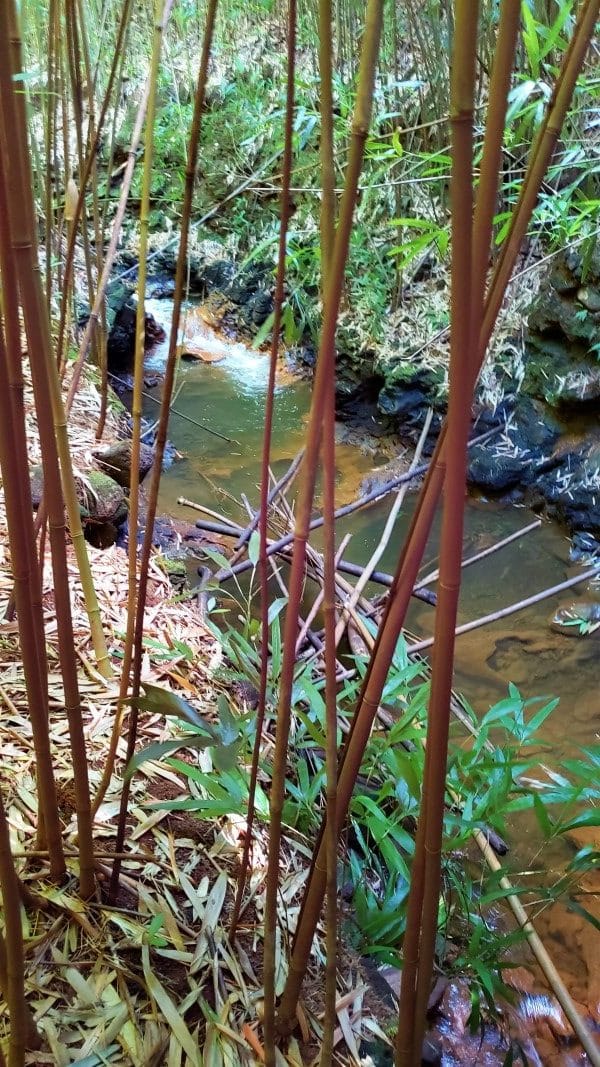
(37, 312)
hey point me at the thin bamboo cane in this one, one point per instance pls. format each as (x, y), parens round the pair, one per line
(52, 423)
(50, 132)
(324, 372)
(423, 901)
(13, 459)
(263, 559)
(96, 311)
(14, 990)
(44, 373)
(329, 615)
(161, 434)
(147, 112)
(326, 148)
(34, 1040)
(15, 398)
(412, 552)
(160, 18)
(85, 175)
(370, 567)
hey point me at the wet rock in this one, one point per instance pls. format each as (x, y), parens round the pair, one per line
(492, 471)
(407, 398)
(555, 312)
(217, 275)
(257, 308)
(120, 347)
(100, 498)
(584, 548)
(534, 427)
(115, 460)
(103, 501)
(572, 492)
(577, 619)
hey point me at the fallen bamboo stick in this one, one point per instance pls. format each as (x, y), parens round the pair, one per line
(355, 505)
(511, 609)
(231, 529)
(433, 576)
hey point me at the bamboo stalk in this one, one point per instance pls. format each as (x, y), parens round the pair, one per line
(326, 147)
(161, 435)
(324, 372)
(45, 382)
(83, 182)
(369, 569)
(138, 374)
(14, 987)
(329, 553)
(15, 477)
(147, 112)
(423, 902)
(269, 1016)
(414, 545)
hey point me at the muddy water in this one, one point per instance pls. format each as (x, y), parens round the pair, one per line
(225, 391)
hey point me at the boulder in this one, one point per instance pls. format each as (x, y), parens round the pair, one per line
(494, 471)
(101, 500)
(115, 460)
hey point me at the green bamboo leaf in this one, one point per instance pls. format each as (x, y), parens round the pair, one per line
(254, 548)
(158, 749)
(165, 702)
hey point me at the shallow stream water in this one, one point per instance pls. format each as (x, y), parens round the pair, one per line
(225, 389)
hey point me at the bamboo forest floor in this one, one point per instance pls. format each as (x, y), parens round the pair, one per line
(153, 980)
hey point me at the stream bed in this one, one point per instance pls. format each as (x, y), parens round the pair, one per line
(224, 389)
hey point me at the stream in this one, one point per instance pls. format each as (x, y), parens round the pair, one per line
(225, 387)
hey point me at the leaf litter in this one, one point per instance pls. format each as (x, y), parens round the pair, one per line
(153, 980)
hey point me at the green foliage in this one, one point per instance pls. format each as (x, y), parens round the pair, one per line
(492, 777)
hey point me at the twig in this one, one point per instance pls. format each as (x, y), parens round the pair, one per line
(592, 572)
(433, 577)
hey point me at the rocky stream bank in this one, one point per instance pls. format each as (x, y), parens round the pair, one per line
(546, 453)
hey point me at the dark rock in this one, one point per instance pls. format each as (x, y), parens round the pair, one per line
(584, 548)
(534, 427)
(555, 312)
(257, 308)
(245, 284)
(403, 402)
(101, 499)
(494, 471)
(302, 357)
(217, 275)
(163, 290)
(572, 493)
(120, 347)
(116, 461)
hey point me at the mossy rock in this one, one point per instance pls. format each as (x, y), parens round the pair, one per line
(101, 500)
(115, 460)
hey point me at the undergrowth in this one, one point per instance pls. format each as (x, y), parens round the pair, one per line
(499, 771)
